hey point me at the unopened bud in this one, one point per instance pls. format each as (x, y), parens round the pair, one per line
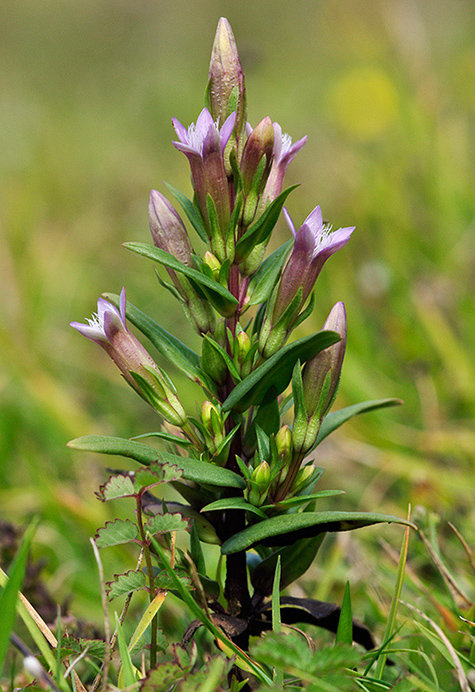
(261, 476)
(243, 346)
(257, 155)
(321, 374)
(225, 91)
(213, 424)
(167, 229)
(213, 263)
(283, 443)
(302, 479)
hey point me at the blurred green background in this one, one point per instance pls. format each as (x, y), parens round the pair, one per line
(385, 90)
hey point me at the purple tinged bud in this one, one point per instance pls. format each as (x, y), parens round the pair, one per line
(260, 144)
(226, 91)
(321, 374)
(167, 229)
(314, 243)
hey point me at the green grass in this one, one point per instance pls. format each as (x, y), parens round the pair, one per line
(386, 93)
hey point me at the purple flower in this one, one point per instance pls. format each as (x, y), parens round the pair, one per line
(107, 328)
(284, 153)
(314, 243)
(203, 143)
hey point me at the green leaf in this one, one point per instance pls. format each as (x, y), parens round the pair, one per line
(233, 503)
(168, 437)
(225, 356)
(263, 281)
(116, 487)
(126, 583)
(336, 418)
(166, 344)
(296, 559)
(261, 230)
(303, 499)
(344, 633)
(221, 299)
(189, 210)
(284, 530)
(162, 677)
(165, 523)
(154, 474)
(273, 376)
(116, 532)
(9, 595)
(193, 469)
(127, 675)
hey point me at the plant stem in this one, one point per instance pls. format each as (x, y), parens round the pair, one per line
(148, 561)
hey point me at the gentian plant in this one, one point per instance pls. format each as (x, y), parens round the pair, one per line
(243, 465)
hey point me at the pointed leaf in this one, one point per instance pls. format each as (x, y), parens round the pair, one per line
(193, 469)
(284, 530)
(233, 503)
(168, 345)
(164, 523)
(225, 356)
(115, 533)
(224, 302)
(147, 618)
(273, 376)
(303, 499)
(126, 583)
(344, 633)
(336, 418)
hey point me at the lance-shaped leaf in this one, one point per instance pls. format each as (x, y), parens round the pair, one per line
(326, 615)
(263, 281)
(221, 299)
(286, 529)
(189, 209)
(192, 469)
(126, 583)
(336, 418)
(166, 344)
(233, 503)
(164, 523)
(273, 376)
(295, 561)
(261, 230)
(115, 533)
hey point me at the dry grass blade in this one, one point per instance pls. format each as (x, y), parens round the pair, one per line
(463, 680)
(457, 594)
(465, 545)
(107, 627)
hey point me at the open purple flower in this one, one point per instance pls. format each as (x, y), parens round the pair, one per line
(314, 243)
(203, 144)
(284, 153)
(108, 328)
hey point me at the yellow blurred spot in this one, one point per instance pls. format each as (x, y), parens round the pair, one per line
(364, 103)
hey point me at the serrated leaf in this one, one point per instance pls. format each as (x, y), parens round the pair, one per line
(116, 487)
(166, 344)
(336, 418)
(193, 469)
(295, 560)
(163, 580)
(95, 647)
(263, 281)
(273, 376)
(162, 677)
(115, 533)
(221, 299)
(164, 523)
(156, 473)
(126, 583)
(284, 530)
(233, 503)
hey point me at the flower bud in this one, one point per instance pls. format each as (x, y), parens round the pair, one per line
(284, 446)
(302, 479)
(213, 425)
(225, 90)
(257, 155)
(258, 484)
(167, 229)
(321, 374)
(213, 363)
(243, 346)
(213, 263)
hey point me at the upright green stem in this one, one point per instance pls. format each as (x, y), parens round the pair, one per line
(151, 581)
